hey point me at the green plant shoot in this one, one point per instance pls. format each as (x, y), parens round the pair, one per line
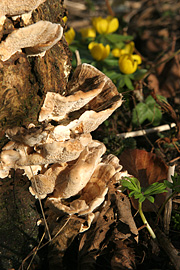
(141, 194)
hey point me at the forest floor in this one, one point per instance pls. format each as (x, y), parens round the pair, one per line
(154, 26)
(112, 242)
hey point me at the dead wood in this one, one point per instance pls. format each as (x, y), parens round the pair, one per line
(25, 81)
(170, 250)
(23, 84)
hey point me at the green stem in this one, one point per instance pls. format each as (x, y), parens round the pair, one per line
(163, 205)
(145, 221)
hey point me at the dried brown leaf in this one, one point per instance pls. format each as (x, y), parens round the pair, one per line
(148, 169)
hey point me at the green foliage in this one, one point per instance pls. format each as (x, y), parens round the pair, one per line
(116, 40)
(116, 145)
(176, 221)
(148, 110)
(141, 193)
(110, 64)
(175, 185)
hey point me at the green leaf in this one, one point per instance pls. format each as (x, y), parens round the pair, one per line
(175, 185)
(115, 38)
(141, 199)
(128, 82)
(131, 183)
(141, 113)
(113, 75)
(155, 188)
(121, 81)
(139, 74)
(168, 184)
(112, 62)
(132, 193)
(150, 198)
(149, 110)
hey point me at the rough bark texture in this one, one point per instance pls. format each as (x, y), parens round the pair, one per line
(23, 85)
(24, 81)
(18, 217)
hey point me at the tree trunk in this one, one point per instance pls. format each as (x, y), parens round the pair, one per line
(24, 81)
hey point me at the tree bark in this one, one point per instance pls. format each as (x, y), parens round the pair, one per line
(24, 81)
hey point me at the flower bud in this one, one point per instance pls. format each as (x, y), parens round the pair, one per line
(128, 63)
(88, 32)
(99, 51)
(105, 26)
(70, 35)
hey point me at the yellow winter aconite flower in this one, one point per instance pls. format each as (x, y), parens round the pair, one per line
(65, 19)
(70, 35)
(105, 26)
(128, 49)
(99, 51)
(88, 32)
(128, 63)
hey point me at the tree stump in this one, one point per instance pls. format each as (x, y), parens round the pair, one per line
(24, 81)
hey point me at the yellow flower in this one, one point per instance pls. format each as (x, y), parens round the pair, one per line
(70, 35)
(116, 52)
(99, 51)
(105, 26)
(128, 49)
(128, 63)
(88, 32)
(65, 19)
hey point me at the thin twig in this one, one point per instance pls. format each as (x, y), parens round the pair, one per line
(78, 58)
(40, 203)
(36, 250)
(143, 132)
(168, 206)
(109, 8)
(170, 250)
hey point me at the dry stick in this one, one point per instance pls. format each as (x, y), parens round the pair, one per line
(31, 253)
(39, 248)
(168, 248)
(36, 250)
(168, 206)
(40, 203)
(162, 62)
(78, 58)
(75, 5)
(142, 132)
(111, 12)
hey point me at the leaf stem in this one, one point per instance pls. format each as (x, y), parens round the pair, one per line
(163, 205)
(145, 221)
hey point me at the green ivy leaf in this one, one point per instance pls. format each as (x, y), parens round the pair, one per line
(141, 113)
(149, 110)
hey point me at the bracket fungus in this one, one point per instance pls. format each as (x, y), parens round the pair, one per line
(69, 167)
(18, 7)
(35, 39)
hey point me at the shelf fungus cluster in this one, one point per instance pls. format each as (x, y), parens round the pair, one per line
(60, 157)
(35, 38)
